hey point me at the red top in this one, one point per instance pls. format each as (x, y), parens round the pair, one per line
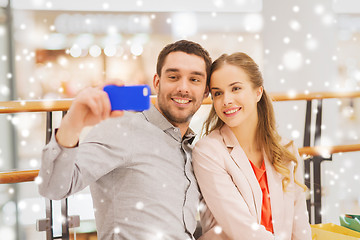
(266, 218)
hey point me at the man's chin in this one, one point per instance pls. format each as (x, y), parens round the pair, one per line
(176, 114)
(180, 118)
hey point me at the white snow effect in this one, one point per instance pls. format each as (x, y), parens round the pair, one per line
(139, 205)
(292, 60)
(218, 229)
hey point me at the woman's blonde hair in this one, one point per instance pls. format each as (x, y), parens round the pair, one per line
(266, 132)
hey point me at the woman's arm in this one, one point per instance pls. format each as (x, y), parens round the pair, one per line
(301, 226)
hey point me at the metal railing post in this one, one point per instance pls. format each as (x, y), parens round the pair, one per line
(307, 138)
(67, 221)
(12, 86)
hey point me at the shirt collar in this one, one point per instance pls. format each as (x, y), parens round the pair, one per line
(155, 117)
(189, 135)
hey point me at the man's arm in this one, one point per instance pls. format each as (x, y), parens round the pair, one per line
(60, 175)
(90, 107)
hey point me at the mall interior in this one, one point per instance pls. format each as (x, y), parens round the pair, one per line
(52, 49)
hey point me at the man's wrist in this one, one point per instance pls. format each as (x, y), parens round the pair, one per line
(61, 141)
(67, 136)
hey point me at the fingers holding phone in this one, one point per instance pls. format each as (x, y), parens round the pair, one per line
(90, 107)
(93, 105)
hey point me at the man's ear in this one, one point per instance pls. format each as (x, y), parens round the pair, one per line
(206, 93)
(156, 82)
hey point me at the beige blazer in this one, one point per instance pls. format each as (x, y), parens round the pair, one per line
(232, 196)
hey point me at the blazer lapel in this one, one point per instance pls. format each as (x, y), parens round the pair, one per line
(276, 194)
(240, 159)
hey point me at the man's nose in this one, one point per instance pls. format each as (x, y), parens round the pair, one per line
(183, 85)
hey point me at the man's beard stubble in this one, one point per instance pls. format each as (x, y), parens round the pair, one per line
(166, 111)
(172, 116)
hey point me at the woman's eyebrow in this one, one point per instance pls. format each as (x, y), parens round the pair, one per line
(214, 88)
(231, 84)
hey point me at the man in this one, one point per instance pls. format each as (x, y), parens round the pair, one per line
(138, 165)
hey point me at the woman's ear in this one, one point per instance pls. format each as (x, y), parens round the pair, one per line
(259, 93)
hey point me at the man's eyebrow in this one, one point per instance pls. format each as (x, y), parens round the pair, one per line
(171, 70)
(198, 73)
(177, 70)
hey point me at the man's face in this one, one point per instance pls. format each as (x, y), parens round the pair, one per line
(181, 87)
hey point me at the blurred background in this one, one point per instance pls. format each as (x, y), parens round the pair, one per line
(51, 49)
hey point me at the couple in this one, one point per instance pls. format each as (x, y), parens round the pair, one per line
(140, 165)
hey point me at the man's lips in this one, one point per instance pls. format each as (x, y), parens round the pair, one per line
(181, 100)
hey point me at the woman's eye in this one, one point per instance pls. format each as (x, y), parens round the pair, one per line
(236, 88)
(216, 94)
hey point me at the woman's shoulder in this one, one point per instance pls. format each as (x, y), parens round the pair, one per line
(209, 145)
(293, 149)
(213, 138)
(289, 145)
(209, 150)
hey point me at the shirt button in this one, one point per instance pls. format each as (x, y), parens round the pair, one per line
(176, 130)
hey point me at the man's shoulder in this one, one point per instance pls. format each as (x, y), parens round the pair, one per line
(117, 126)
(128, 119)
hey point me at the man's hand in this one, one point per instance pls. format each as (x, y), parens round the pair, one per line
(91, 106)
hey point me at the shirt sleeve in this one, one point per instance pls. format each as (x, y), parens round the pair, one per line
(57, 167)
(222, 197)
(65, 171)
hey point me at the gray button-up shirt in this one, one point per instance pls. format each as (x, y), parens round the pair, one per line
(140, 176)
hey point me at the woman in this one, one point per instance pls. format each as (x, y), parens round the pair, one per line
(248, 175)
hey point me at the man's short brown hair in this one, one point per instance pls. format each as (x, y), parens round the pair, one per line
(188, 47)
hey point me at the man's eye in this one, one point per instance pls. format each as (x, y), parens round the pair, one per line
(195, 80)
(172, 77)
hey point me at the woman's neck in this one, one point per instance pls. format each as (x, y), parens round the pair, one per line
(246, 136)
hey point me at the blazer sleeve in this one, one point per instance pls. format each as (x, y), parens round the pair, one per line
(301, 226)
(222, 197)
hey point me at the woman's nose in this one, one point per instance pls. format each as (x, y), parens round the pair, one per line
(227, 99)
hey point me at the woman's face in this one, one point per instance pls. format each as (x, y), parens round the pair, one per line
(235, 99)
